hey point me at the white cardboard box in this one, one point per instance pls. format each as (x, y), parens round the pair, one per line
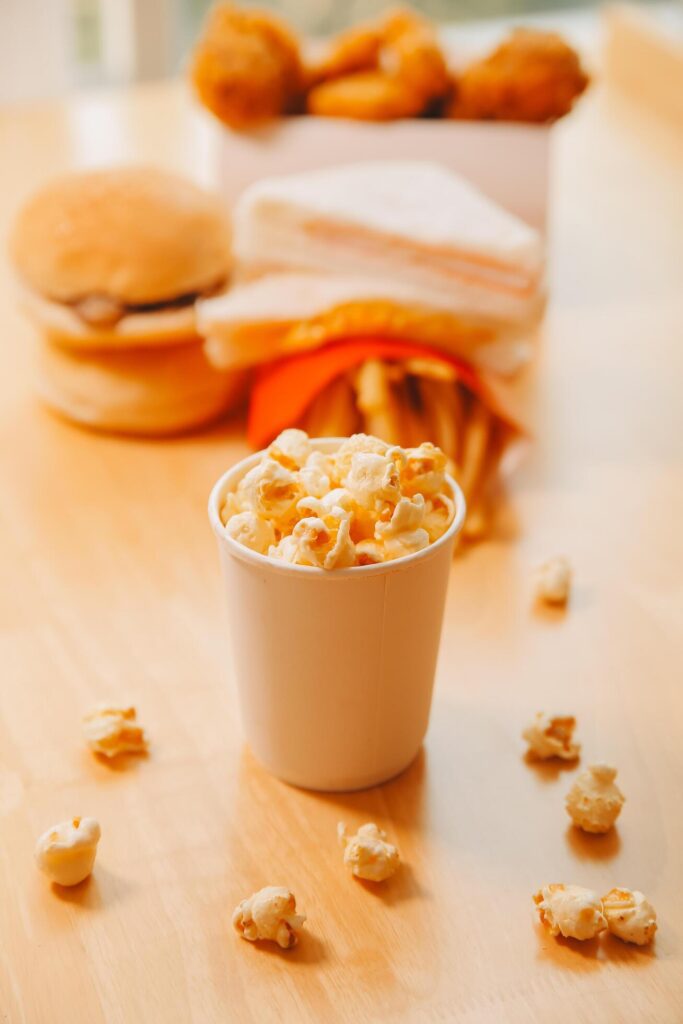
(508, 162)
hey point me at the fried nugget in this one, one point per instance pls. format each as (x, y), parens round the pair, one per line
(366, 96)
(411, 54)
(532, 76)
(246, 66)
(381, 71)
(354, 50)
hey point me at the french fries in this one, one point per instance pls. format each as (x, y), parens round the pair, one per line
(419, 399)
(444, 406)
(376, 401)
(334, 412)
(474, 445)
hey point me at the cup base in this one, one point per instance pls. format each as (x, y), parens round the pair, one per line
(344, 785)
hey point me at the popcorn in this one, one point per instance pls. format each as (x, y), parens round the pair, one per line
(251, 530)
(112, 730)
(403, 534)
(357, 443)
(360, 505)
(553, 581)
(66, 852)
(439, 512)
(291, 448)
(570, 910)
(269, 914)
(630, 916)
(373, 480)
(325, 543)
(594, 802)
(322, 506)
(315, 475)
(424, 471)
(286, 550)
(369, 552)
(552, 737)
(269, 490)
(367, 854)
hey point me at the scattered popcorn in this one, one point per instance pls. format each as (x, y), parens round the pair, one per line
(110, 731)
(553, 581)
(66, 853)
(364, 504)
(269, 914)
(594, 802)
(630, 916)
(570, 910)
(552, 737)
(367, 854)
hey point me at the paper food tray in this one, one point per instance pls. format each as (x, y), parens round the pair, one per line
(508, 162)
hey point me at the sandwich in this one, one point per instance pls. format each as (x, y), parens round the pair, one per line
(389, 297)
(110, 265)
(414, 222)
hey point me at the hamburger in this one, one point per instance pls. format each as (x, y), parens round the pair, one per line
(110, 266)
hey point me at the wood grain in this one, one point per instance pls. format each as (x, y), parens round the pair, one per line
(111, 587)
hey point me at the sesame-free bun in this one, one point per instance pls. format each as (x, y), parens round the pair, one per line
(146, 392)
(136, 235)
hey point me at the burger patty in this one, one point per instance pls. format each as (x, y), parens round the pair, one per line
(103, 311)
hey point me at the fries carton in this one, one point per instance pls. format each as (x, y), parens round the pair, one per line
(334, 669)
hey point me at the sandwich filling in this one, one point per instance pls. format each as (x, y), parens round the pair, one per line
(280, 314)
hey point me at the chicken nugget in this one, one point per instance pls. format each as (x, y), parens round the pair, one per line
(366, 96)
(246, 66)
(415, 60)
(412, 54)
(354, 50)
(532, 76)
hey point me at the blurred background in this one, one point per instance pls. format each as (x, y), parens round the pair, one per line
(50, 47)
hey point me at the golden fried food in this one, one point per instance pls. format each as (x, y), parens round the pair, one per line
(411, 54)
(532, 76)
(246, 66)
(366, 96)
(357, 49)
(381, 71)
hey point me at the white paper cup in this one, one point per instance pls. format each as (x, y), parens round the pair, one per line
(334, 668)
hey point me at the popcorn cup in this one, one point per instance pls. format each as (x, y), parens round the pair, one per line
(334, 668)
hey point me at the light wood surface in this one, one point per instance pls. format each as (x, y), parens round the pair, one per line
(111, 587)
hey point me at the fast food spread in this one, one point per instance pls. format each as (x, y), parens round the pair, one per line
(390, 297)
(248, 67)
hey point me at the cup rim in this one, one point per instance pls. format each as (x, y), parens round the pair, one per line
(245, 554)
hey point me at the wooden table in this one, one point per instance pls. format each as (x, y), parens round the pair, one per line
(111, 587)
